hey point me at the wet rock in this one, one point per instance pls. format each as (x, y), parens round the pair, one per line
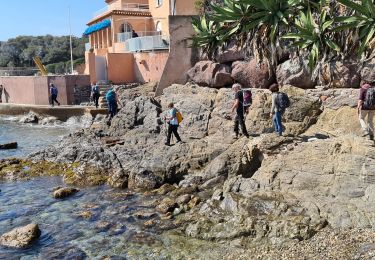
(64, 193)
(50, 121)
(296, 73)
(342, 74)
(166, 188)
(85, 214)
(145, 215)
(30, 118)
(210, 74)
(166, 205)
(183, 199)
(103, 226)
(253, 74)
(9, 146)
(21, 237)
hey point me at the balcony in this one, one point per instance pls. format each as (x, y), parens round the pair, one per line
(88, 46)
(147, 43)
(123, 37)
(123, 7)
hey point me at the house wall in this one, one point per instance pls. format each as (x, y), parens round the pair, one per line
(186, 7)
(149, 66)
(120, 67)
(161, 14)
(34, 90)
(181, 57)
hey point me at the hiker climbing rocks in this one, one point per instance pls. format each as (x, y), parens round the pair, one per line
(53, 92)
(95, 94)
(173, 119)
(112, 100)
(280, 102)
(366, 109)
(238, 106)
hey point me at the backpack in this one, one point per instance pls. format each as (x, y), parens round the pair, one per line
(282, 101)
(179, 117)
(95, 89)
(247, 98)
(110, 96)
(54, 91)
(370, 99)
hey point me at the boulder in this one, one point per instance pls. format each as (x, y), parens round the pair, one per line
(368, 71)
(253, 74)
(30, 118)
(296, 73)
(340, 74)
(9, 146)
(166, 205)
(231, 52)
(210, 74)
(64, 193)
(21, 237)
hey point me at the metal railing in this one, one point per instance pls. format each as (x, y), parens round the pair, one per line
(147, 43)
(122, 37)
(88, 46)
(126, 7)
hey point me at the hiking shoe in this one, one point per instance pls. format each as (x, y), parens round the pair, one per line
(167, 144)
(179, 142)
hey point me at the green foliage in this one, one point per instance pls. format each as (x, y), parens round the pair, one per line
(19, 52)
(317, 29)
(314, 35)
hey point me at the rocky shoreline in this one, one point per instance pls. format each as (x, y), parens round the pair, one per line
(311, 189)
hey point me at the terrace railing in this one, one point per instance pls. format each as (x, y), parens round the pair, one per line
(147, 43)
(122, 37)
(125, 7)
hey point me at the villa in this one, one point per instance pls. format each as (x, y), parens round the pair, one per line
(136, 41)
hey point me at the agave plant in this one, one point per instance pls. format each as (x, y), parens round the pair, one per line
(315, 36)
(362, 21)
(207, 37)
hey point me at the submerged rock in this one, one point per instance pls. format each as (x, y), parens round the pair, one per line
(64, 193)
(9, 146)
(30, 118)
(21, 237)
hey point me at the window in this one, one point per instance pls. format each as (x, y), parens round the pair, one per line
(158, 2)
(125, 28)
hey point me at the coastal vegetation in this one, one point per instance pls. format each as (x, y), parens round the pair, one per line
(319, 31)
(52, 50)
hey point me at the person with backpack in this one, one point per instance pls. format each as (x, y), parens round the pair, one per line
(366, 109)
(112, 100)
(238, 106)
(53, 92)
(280, 102)
(95, 94)
(173, 119)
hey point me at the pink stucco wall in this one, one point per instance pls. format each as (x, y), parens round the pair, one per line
(149, 66)
(34, 90)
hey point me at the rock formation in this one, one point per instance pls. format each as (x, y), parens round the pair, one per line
(21, 237)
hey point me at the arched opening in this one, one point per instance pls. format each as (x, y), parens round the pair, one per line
(159, 27)
(125, 28)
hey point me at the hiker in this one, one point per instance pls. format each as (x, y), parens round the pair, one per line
(54, 92)
(112, 100)
(172, 124)
(280, 102)
(1, 93)
(95, 94)
(238, 106)
(366, 108)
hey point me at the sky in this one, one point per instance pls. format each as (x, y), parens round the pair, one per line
(41, 17)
